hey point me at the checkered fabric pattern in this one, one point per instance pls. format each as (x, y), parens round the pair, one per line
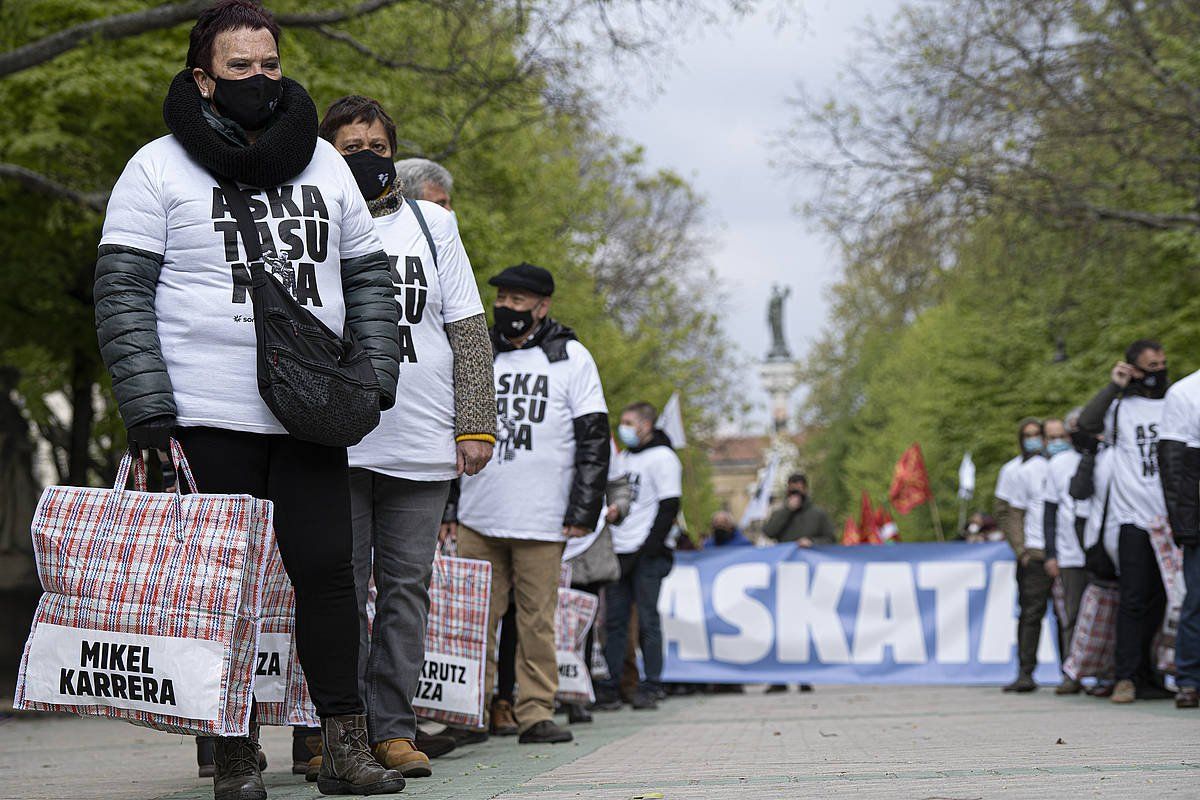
(1094, 645)
(279, 616)
(1170, 564)
(459, 594)
(186, 566)
(573, 618)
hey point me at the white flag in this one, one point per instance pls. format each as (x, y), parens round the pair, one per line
(966, 477)
(670, 422)
(760, 503)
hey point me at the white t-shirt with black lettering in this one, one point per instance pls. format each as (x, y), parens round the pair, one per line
(166, 203)
(1137, 495)
(1181, 412)
(655, 474)
(1059, 472)
(524, 491)
(1006, 486)
(415, 438)
(1030, 491)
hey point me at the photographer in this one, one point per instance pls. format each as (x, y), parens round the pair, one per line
(798, 520)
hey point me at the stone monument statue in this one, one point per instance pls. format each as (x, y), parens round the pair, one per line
(779, 349)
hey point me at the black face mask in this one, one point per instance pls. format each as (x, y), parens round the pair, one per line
(722, 535)
(512, 324)
(249, 102)
(373, 173)
(1154, 384)
(1084, 442)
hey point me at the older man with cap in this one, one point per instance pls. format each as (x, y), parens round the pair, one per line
(546, 483)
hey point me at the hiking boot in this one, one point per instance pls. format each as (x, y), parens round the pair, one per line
(204, 757)
(503, 721)
(403, 756)
(347, 766)
(1125, 692)
(236, 775)
(577, 714)
(434, 745)
(545, 732)
(644, 700)
(466, 736)
(306, 745)
(1187, 697)
(313, 770)
(607, 699)
(1068, 686)
(1022, 685)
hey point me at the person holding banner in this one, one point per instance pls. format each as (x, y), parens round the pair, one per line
(442, 426)
(546, 484)
(640, 542)
(175, 313)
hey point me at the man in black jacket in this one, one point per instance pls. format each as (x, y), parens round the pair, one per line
(640, 542)
(545, 485)
(798, 520)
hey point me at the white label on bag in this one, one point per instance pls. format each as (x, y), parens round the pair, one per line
(271, 667)
(572, 675)
(449, 683)
(159, 674)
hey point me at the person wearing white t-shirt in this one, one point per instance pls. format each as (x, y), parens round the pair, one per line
(442, 426)
(1179, 464)
(1128, 412)
(545, 483)
(1063, 529)
(640, 542)
(1008, 520)
(1033, 583)
(176, 323)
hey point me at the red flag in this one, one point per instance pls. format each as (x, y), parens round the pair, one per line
(888, 530)
(850, 532)
(910, 481)
(868, 532)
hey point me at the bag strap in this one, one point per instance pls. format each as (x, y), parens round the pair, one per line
(416, 209)
(236, 201)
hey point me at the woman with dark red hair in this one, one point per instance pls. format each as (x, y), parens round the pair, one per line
(176, 328)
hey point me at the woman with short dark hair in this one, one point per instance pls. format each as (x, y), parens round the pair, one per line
(176, 328)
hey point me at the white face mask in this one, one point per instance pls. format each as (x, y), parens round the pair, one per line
(628, 435)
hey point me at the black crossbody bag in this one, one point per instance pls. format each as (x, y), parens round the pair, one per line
(1096, 558)
(320, 386)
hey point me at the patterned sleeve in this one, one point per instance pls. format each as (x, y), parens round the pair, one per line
(474, 381)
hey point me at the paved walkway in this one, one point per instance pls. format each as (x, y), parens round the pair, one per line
(840, 742)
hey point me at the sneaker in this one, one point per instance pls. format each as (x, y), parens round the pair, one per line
(644, 700)
(434, 745)
(577, 714)
(1125, 692)
(607, 700)
(1187, 697)
(503, 723)
(545, 732)
(806, 687)
(403, 756)
(1022, 685)
(306, 745)
(466, 736)
(1068, 686)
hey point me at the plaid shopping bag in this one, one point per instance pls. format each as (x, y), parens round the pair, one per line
(1170, 564)
(1094, 645)
(573, 618)
(150, 605)
(450, 688)
(280, 689)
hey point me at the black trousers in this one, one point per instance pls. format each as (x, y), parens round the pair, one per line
(310, 487)
(1143, 603)
(1033, 596)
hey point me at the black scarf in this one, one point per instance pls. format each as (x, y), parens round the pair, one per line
(281, 152)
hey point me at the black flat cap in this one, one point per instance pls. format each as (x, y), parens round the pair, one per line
(526, 276)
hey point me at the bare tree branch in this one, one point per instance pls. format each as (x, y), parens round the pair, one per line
(390, 63)
(39, 183)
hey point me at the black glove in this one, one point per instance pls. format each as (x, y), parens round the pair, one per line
(152, 434)
(1186, 539)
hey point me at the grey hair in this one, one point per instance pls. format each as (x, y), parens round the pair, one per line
(1072, 418)
(414, 173)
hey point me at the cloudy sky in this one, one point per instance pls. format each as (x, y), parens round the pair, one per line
(720, 106)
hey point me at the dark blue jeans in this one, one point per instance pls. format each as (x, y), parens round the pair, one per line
(1187, 641)
(640, 581)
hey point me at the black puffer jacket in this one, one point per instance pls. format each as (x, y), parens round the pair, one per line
(126, 278)
(592, 450)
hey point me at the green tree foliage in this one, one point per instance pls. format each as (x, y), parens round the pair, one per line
(1014, 184)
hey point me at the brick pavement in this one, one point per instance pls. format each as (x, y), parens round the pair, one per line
(840, 742)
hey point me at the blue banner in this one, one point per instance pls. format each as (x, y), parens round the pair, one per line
(906, 613)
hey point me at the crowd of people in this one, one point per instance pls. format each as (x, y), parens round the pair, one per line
(1085, 501)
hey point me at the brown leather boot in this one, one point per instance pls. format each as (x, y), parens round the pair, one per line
(236, 775)
(1125, 692)
(347, 766)
(504, 723)
(403, 756)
